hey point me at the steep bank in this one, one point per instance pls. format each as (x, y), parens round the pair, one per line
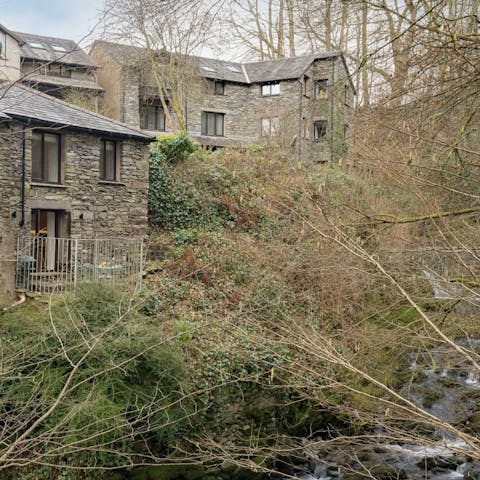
(265, 331)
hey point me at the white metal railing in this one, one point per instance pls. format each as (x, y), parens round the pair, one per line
(45, 264)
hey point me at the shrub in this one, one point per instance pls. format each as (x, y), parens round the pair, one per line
(175, 202)
(133, 384)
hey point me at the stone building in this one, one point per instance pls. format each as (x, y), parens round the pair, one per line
(303, 103)
(66, 174)
(55, 66)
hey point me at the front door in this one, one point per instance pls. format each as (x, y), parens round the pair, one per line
(50, 228)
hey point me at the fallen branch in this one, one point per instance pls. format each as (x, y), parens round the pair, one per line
(392, 219)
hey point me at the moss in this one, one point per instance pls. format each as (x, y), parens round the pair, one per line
(472, 423)
(430, 397)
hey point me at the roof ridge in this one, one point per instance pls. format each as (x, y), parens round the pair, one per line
(305, 56)
(80, 109)
(49, 37)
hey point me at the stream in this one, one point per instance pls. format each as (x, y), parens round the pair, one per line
(445, 386)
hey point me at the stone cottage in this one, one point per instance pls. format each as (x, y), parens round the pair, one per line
(303, 102)
(67, 174)
(55, 66)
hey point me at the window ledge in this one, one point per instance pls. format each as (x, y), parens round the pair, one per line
(112, 182)
(52, 185)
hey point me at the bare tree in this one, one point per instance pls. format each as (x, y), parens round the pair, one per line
(170, 33)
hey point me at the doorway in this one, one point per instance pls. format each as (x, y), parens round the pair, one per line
(49, 229)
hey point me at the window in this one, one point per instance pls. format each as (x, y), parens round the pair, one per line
(269, 89)
(320, 88)
(319, 129)
(154, 118)
(219, 87)
(306, 86)
(55, 70)
(37, 45)
(213, 124)
(270, 126)
(346, 97)
(59, 48)
(109, 161)
(46, 157)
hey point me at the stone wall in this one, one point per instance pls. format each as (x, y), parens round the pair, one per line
(109, 209)
(97, 209)
(129, 96)
(332, 108)
(244, 108)
(10, 211)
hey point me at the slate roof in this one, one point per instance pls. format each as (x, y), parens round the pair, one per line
(283, 68)
(25, 103)
(222, 70)
(252, 72)
(73, 54)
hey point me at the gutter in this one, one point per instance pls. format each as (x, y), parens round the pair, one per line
(58, 126)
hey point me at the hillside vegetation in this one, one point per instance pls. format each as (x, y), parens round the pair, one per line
(278, 306)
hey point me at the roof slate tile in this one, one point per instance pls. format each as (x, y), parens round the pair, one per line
(21, 102)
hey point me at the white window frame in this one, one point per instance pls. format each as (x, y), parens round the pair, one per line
(271, 89)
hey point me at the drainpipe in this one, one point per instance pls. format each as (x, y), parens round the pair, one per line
(22, 189)
(332, 106)
(300, 119)
(22, 298)
(186, 113)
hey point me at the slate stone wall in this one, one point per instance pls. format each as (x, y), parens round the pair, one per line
(10, 185)
(244, 107)
(97, 209)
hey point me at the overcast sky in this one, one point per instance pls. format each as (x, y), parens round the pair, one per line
(71, 19)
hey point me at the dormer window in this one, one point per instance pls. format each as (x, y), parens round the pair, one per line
(270, 89)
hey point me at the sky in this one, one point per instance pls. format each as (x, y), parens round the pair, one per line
(72, 19)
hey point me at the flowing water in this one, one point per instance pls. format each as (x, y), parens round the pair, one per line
(447, 387)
